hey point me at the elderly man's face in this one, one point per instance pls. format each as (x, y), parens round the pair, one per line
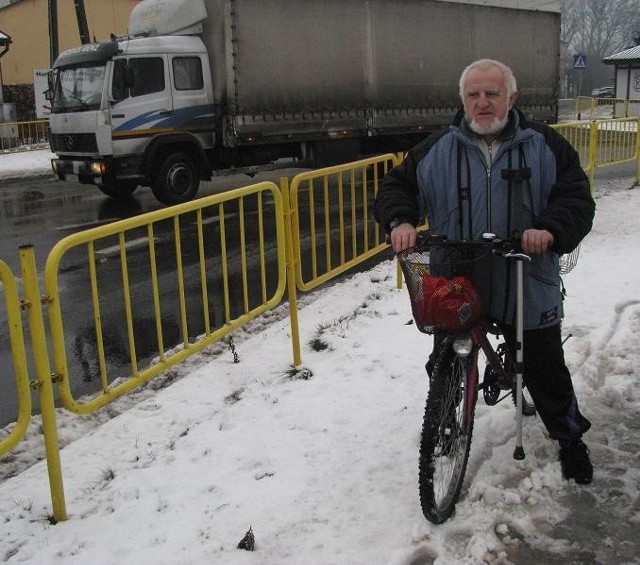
(485, 100)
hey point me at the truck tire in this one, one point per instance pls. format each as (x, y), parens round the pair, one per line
(120, 190)
(177, 179)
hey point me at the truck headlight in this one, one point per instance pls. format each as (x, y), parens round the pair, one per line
(98, 167)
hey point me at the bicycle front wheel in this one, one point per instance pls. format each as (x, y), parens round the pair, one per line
(446, 435)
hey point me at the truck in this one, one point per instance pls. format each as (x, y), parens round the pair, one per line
(207, 87)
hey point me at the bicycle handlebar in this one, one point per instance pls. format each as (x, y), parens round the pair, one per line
(510, 248)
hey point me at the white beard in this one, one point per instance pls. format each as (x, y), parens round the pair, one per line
(495, 127)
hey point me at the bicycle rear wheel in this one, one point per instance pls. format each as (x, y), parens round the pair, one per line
(446, 435)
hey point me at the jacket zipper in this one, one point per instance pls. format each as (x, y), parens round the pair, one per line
(488, 169)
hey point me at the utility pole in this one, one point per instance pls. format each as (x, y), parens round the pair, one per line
(83, 27)
(5, 41)
(53, 31)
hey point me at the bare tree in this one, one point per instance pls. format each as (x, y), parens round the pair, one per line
(597, 29)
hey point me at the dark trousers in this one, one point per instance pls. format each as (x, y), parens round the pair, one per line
(548, 381)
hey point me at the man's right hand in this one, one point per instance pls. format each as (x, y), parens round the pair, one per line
(403, 237)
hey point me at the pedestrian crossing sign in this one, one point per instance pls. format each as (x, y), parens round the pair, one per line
(579, 61)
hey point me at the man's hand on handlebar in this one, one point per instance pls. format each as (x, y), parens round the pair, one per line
(533, 242)
(403, 237)
(536, 241)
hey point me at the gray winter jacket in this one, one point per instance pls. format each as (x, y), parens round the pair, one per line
(448, 180)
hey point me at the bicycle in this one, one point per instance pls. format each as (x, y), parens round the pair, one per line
(445, 303)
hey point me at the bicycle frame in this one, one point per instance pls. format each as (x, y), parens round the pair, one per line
(478, 335)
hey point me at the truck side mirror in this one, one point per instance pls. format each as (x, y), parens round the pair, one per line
(48, 94)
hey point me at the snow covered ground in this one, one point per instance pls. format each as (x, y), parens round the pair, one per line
(322, 465)
(20, 164)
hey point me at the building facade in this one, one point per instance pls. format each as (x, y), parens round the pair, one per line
(627, 65)
(26, 22)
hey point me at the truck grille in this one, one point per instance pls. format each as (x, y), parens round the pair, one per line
(74, 142)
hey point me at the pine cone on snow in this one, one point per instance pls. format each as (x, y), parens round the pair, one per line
(248, 542)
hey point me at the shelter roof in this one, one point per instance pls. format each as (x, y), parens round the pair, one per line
(628, 55)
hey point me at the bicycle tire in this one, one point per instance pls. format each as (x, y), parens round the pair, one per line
(445, 440)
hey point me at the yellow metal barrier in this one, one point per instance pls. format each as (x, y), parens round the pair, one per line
(632, 109)
(207, 249)
(588, 108)
(579, 135)
(584, 107)
(337, 204)
(19, 357)
(617, 141)
(602, 143)
(605, 108)
(23, 134)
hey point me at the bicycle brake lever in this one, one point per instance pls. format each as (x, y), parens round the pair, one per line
(513, 254)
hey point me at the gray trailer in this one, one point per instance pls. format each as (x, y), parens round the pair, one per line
(206, 86)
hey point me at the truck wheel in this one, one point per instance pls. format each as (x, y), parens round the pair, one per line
(119, 190)
(177, 180)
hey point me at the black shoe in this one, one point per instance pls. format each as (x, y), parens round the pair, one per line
(575, 463)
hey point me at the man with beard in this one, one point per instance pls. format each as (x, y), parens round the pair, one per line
(463, 181)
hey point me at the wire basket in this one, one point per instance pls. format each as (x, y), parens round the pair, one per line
(449, 283)
(569, 261)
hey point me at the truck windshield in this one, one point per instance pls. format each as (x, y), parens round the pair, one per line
(77, 89)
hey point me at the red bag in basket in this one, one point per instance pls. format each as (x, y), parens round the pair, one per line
(452, 304)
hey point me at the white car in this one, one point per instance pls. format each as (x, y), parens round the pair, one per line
(604, 92)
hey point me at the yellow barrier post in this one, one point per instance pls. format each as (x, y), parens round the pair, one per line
(593, 152)
(19, 358)
(291, 273)
(399, 278)
(43, 381)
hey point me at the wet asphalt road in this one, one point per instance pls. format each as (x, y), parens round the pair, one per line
(41, 211)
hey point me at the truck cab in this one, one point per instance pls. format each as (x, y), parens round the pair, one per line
(134, 111)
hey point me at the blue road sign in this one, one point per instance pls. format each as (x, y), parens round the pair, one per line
(580, 61)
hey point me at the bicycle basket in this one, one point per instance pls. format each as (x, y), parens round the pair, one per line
(440, 290)
(569, 261)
